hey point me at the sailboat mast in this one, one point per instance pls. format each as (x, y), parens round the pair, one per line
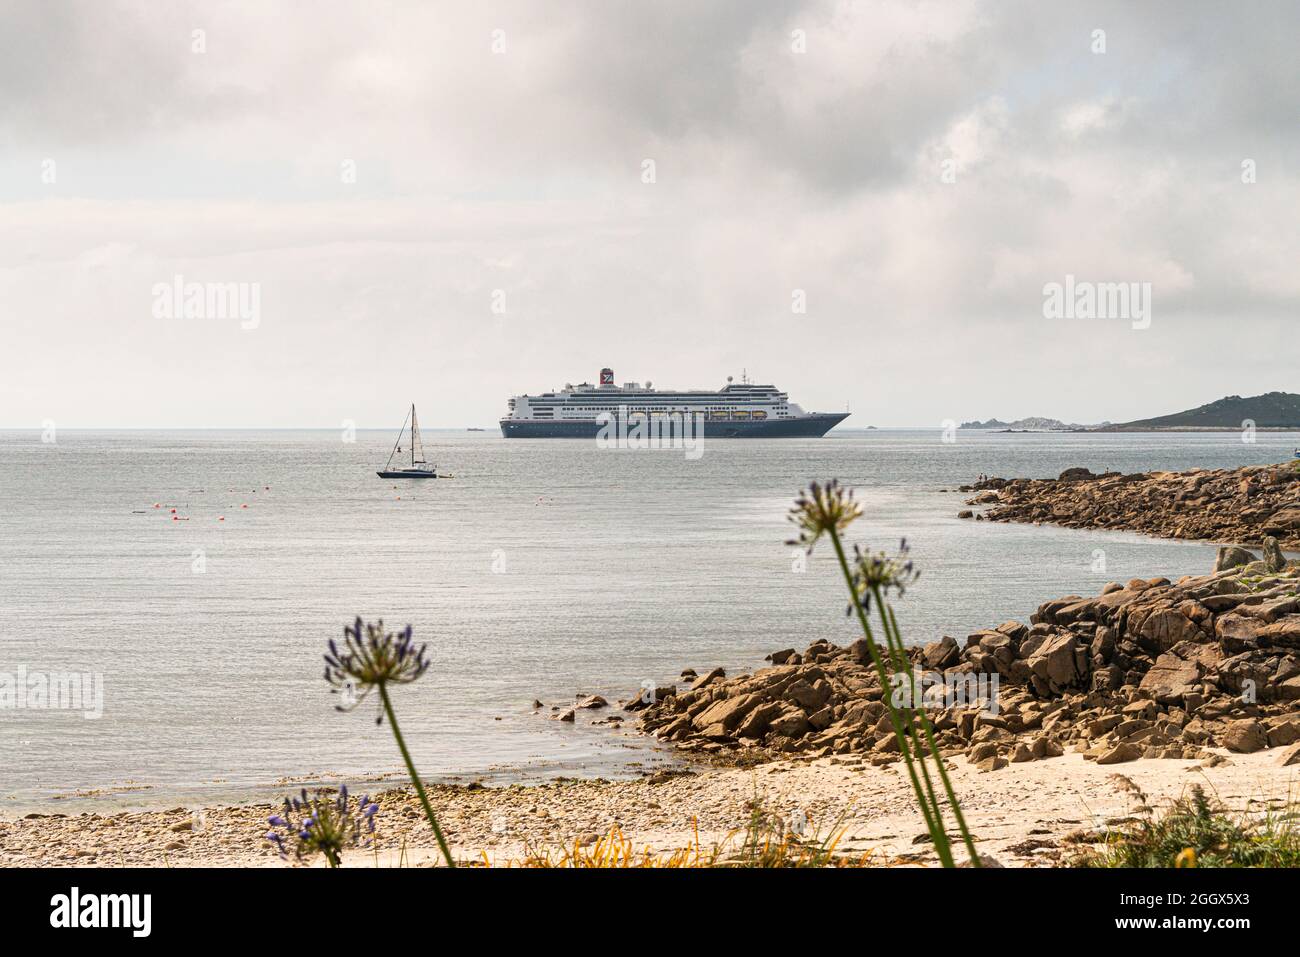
(398, 444)
(415, 434)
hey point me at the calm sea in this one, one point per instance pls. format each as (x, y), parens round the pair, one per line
(544, 568)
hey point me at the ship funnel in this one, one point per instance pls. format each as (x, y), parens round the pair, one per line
(606, 376)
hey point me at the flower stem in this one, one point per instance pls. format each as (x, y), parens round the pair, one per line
(938, 758)
(415, 778)
(933, 822)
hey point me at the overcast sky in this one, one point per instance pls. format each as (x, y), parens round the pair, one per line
(500, 154)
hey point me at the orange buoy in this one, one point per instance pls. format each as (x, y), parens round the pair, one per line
(222, 518)
(243, 506)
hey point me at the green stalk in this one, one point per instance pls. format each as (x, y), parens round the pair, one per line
(929, 734)
(929, 786)
(902, 666)
(415, 778)
(934, 827)
(911, 719)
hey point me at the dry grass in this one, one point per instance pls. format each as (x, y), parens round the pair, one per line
(767, 841)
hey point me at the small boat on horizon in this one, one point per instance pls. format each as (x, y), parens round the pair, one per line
(419, 468)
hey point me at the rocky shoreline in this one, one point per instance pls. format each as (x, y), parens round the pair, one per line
(1242, 506)
(1147, 669)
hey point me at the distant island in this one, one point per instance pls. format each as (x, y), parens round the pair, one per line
(1272, 410)
(1033, 423)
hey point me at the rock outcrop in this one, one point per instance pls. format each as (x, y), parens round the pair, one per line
(1151, 668)
(1247, 505)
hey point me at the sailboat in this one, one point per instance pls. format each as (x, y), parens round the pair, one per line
(418, 468)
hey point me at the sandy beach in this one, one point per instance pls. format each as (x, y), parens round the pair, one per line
(1032, 814)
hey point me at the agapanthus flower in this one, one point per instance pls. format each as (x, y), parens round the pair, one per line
(881, 572)
(369, 658)
(822, 509)
(320, 824)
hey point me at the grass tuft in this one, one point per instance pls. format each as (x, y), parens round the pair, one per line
(1198, 831)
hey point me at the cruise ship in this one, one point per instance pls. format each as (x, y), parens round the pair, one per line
(739, 410)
